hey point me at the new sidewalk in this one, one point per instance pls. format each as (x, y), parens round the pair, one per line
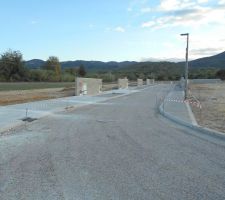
(12, 116)
(174, 108)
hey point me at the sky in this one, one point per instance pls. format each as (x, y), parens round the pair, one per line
(112, 30)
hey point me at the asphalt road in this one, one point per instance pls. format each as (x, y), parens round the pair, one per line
(121, 149)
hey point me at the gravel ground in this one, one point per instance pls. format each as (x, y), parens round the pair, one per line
(212, 98)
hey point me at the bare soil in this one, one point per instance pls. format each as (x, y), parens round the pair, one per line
(212, 98)
(23, 96)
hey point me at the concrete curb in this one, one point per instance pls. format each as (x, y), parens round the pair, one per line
(11, 127)
(195, 127)
(191, 114)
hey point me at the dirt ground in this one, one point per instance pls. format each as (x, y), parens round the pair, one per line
(212, 98)
(22, 96)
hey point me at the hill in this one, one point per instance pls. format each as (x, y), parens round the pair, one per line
(157, 70)
(34, 64)
(89, 65)
(217, 61)
(96, 65)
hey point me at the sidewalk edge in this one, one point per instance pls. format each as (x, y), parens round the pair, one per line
(201, 129)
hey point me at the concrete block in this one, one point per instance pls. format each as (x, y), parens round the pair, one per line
(182, 83)
(150, 81)
(139, 82)
(87, 86)
(123, 83)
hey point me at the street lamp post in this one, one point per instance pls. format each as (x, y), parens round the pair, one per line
(186, 66)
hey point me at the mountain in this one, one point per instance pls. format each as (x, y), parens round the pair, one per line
(96, 65)
(158, 70)
(89, 65)
(217, 61)
(34, 64)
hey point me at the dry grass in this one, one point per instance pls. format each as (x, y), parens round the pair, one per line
(212, 98)
(22, 96)
(8, 94)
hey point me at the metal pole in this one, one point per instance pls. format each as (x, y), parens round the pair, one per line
(186, 69)
(186, 66)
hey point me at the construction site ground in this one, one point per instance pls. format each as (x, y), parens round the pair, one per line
(15, 93)
(212, 98)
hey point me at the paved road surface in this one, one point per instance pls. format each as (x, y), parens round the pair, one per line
(121, 149)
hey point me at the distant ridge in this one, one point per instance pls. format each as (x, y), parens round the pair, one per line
(216, 61)
(34, 63)
(90, 65)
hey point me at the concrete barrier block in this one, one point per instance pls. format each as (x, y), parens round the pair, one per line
(139, 82)
(123, 83)
(88, 86)
(150, 81)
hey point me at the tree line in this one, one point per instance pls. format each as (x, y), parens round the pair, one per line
(12, 68)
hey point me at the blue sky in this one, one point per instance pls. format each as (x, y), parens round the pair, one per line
(109, 30)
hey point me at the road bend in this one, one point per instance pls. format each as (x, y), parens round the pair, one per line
(120, 149)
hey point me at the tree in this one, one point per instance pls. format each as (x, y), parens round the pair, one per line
(72, 71)
(221, 74)
(12, 66)
(53, 64)
(81, 71)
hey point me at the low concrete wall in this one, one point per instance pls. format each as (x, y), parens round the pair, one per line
(88, 86)
(205, 81)
(150, 81)
(139, 82)
(123, 83)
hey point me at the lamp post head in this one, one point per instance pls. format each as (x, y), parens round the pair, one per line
(184, 34)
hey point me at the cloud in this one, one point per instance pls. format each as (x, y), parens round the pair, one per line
(138, 6)
(221, 2)
(160, 59)
(203, 19)
(206, 51)
(148, 24)
(171, 5)
(206, 44)
(119, 29)
(175, 13)
(202, 1)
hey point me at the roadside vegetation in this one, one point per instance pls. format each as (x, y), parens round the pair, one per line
(13, 69)
(12, 86)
